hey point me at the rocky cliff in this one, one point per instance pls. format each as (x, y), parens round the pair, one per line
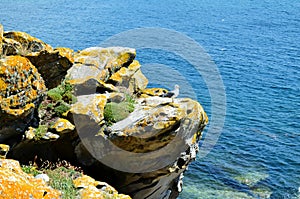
(93, 110)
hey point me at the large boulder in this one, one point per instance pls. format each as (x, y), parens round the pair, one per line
(149, 150)
(21, 89)
(21, 43)
(51, 63)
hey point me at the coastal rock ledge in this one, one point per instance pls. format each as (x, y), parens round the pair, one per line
(84, 124)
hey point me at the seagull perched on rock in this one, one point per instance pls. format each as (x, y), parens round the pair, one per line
(172, 94)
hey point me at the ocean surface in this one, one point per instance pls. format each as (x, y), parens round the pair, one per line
(256, 46)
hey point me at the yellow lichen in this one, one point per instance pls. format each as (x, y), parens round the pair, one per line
(62, 125)
(154, 91)
(17, 184)
(20, 85)
(90, 191)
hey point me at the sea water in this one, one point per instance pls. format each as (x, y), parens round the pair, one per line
(256, 47)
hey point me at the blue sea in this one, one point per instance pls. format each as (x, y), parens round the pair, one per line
(255, 45)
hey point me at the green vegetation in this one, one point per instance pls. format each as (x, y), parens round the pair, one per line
(60, 108)
(62, 92)
(61, 178)
(61, 97)
(114, 112)
(29, 169)
(40, 131)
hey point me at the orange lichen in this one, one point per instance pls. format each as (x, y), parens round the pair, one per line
(27, 43)
(90, 191)
(20, 85)
(14, 183)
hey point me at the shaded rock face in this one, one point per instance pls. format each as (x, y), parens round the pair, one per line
(97, 113)
(53, 65)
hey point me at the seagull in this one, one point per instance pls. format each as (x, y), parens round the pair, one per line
(172, 94)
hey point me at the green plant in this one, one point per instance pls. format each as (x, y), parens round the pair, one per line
(114, 112)
(61, 178)
(61, 108)
(62, 92)
(40, 131)
(29, 169)
(55, 94)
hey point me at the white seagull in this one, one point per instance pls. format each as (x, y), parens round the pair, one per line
(172, 94)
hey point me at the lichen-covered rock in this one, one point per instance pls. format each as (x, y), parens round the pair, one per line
(156, 123)
(162, 130)
(21, 43)
(90, 106)
(3, 150)
(152, 92)
(14, 183)
(92, 189)
(20, 85)
(93, 65)
(130, 77)
(63, 126)
(21, 88)
(52, 64)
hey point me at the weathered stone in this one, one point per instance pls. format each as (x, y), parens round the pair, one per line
(50, 135)
(131, 78)
(14, 183)
(52, 65)
(21, 89)
(153, 92)
(21, 43)
(138, 82)
(89, 189)
(173, 126)
(63, 126)
(30, 133)
(3, 150)
(94, 65)
(89, 107)
(20, 85)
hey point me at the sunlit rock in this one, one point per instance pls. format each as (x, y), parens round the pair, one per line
(17, 184)
(63, 126)
(21, 89)
(92, 189)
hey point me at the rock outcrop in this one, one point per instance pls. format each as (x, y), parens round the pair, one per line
(93, 109)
